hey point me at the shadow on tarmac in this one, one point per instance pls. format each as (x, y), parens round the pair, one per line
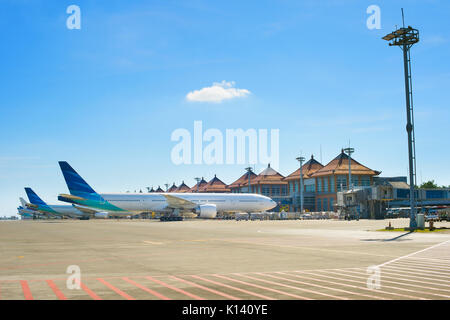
(398, 238)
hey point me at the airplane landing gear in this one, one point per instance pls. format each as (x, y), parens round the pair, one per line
(171, 218)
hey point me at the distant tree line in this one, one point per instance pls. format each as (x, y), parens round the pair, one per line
(431, 185)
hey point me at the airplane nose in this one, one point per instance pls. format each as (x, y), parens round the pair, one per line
(271, 204)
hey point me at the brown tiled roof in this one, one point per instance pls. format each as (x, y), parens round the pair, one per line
(243, 180)
(173, 188)
(159, 189)
(308, 168)
(268, 176)
(183, 188)
(201, 184)
(214, 185)
(339, 165)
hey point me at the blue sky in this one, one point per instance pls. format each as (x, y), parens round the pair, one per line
(107, 97)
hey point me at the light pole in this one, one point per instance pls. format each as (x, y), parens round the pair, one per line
(349, 151)
(405, 38)
(198, 182)
(249, 172)
(301, 159)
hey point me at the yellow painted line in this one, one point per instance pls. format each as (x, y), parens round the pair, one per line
(198, 240)
(153, 242)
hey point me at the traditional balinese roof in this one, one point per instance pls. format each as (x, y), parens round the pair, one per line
(200, 184)
(159, 189)
(151, 190)
(214, 185)
(308, 168)
(339, 165)
(183, 188)
(243, 180)
(173, 188)
(268, 176)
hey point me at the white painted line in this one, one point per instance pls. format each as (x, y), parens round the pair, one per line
(344, 285)
(403, 289)
(395, 275)
(377, 290)
(440, 253)
(397, 272)
(310, 284)
(220, 293)
(295, 288)
(264, 288)
(233, 288)
(408, 270)
(414, 253)
(433, 260)
(427, 263)
(425, 271)
(435, 255)
(423, 266)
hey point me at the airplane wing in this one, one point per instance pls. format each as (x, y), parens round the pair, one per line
(31, 206)
(179, 203)
(86, 210)
(69, 197)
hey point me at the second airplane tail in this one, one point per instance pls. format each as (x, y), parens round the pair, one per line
(23, 202)
(34, 198)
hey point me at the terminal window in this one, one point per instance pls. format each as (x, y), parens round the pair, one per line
(341, 182)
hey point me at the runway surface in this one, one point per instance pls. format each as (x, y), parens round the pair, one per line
(230, 260)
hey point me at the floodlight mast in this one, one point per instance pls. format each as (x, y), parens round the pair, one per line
(405, 38)
(249, 172)
(349, 151)
(198, 182)
(301, 159)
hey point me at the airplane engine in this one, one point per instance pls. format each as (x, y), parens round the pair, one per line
(207, 211)
(101, 215)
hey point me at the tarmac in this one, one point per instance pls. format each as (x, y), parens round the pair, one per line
(222, 259)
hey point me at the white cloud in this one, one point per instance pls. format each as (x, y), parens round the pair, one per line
(218, 92)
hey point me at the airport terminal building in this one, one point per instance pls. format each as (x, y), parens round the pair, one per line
(334, 177)
(325, 188)
(309, 183)
(321, 183)
(269, 183)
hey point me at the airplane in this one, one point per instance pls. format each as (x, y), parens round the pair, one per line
(26, 213)
(173, 206)
(71, 211)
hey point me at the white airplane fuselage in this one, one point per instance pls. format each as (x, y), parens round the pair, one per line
(224, 202)
(65, 210)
